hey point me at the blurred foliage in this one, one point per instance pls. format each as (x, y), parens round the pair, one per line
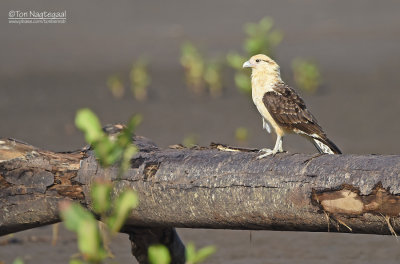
(18, 261)
(91, 241)
(190, 140)
(113, 212)
(200, 72)
(84, 224)
(213, 78)
(101, 192)
(122, 207)
(241, 134)
(116, 86)
(242, 80)
(205, 75)
(306, 75)
(109, 150)
(194, 66)
(78, 219)
(76, 261)
(260, 38)
(193, 256)
(140, 79)
(159, 254)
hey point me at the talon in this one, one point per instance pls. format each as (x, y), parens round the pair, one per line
(266, 150)
(263, 156)
(269, 152)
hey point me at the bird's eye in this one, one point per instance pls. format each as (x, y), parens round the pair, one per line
(257, 60)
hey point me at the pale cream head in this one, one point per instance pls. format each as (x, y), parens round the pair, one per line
(265, 73)
(262, 63)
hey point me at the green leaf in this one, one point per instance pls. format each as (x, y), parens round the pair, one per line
(243, 82)
(254, 46)
(78, 219)
(241, 134)
(126, 158)
(188, 48)
(251, 29)
(190, 252)
(235, 60)
(18, 261)
(266, 24)
(275, 37)
(123, 207)
(73, 215)
(133, 123)
(159, 254)
(193, 257)
(261, 37)
(76, 261)
(306, 75)
(108, 152)
(140, 79)
(88, 122)
(193, 63)
(116, 86)
(125, 137)
(101, 197)
(190, 140)
(89, 241)
(204, 253)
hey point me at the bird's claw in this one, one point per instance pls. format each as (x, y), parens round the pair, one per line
(268, 152)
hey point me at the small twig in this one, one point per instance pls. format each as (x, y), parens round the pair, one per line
(391, 229)
(224, 147)
(327, 220)
(55, 232)
(344, 224)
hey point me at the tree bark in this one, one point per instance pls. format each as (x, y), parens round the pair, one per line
(209, 188)
(34, 181)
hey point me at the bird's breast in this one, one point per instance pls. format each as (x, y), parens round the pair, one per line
(262, 83)
(258, 101)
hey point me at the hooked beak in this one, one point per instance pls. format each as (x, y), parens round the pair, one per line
(247, 64)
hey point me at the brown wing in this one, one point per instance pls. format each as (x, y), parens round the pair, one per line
(289, 111)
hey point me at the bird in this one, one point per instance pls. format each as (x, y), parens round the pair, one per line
(282, 108)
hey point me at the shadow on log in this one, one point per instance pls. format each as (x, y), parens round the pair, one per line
(215, 187)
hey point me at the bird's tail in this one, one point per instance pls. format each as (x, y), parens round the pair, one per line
(325, 145)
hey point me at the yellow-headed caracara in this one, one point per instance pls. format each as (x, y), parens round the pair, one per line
(282, 108)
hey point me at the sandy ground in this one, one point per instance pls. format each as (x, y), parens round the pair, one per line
(256, 247)
(47, 72)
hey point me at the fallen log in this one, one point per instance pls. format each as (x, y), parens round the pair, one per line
(34, 181)
(214, 187)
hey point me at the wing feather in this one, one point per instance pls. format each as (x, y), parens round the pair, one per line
(288, 109)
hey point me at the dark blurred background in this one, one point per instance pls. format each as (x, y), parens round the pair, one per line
(48, 71)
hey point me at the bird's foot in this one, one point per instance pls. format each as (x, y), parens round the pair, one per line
(266, 150)
(269, 152)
